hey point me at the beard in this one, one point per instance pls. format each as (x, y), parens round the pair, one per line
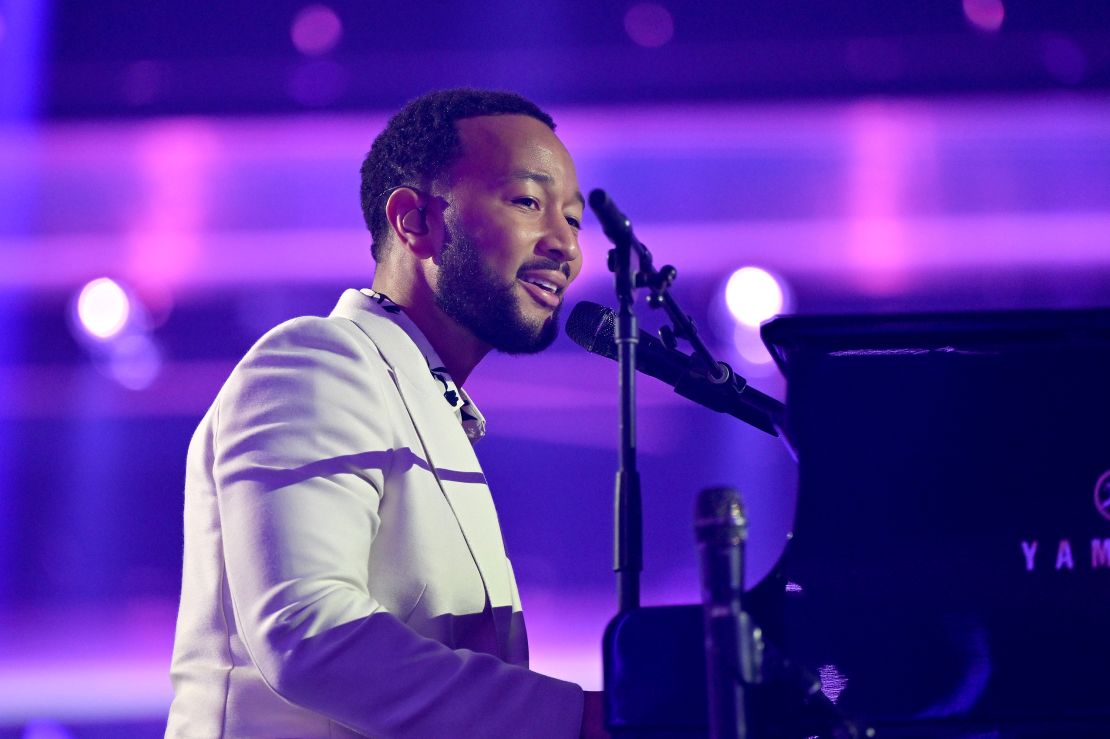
(488, 306)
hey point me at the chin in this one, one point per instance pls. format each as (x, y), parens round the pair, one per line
(526, 337)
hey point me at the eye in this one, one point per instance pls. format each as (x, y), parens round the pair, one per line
(574, 223)
(527, 202)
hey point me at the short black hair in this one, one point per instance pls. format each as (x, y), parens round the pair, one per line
(421, 141)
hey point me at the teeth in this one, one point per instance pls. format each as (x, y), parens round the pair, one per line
(549, 287)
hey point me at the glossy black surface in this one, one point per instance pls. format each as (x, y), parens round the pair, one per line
(934, 451)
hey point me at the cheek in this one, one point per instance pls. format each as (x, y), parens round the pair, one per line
(496, 252)
(502, 237)
(576, 265)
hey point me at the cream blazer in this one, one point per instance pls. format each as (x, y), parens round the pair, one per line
(344, 571)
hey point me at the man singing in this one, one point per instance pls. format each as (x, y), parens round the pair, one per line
(344, 571)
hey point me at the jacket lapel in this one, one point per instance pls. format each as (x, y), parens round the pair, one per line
(446, 448)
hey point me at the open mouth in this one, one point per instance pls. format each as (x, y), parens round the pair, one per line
(545, 284)
(542, 291)
(542, 284)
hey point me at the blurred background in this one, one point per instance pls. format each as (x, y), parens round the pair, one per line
(176, 178)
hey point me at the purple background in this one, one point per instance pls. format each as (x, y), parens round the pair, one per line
(874, 161)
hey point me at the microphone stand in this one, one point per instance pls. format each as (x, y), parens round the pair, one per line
(729, 640)
(628, 544)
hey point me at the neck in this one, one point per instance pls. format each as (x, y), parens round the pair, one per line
(459, 349)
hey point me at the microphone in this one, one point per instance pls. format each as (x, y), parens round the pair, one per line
(751, 685)
(733, 652)
(615, 224)
(592, 327)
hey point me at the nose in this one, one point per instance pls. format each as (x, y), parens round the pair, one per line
(560, 242)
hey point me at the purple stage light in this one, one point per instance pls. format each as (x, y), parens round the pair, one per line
(986, 15)
(753, 295)
(649, 24)
(103, 308)
(316, 30)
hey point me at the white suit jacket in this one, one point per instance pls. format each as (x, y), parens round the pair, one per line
(344, 571)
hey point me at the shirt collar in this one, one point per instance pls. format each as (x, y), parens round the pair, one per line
(472, 420)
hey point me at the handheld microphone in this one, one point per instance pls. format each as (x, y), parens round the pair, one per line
(592, 327)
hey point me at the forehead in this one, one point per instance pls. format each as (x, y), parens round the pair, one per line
(499, 145)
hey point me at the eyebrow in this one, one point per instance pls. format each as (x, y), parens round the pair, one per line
(543, 179)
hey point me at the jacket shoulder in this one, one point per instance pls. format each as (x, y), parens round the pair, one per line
(332, 334)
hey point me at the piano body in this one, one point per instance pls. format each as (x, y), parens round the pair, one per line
(949, 572)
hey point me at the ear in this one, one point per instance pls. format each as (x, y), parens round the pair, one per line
(406, 212)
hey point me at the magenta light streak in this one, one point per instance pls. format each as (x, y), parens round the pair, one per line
(174, 162)
(87, 663)
(114, 663)
(313, 255)
(174, 206)
(878, 245)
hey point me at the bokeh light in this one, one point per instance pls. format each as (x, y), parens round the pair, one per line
(751, 349)
(316, 30)
(649, 24)
(753, 295)
(134, 361)
(986, 15)
(103, 308)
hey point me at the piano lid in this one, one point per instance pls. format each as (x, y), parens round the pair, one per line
(950, 567)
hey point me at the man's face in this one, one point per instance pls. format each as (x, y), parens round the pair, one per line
(511, 221)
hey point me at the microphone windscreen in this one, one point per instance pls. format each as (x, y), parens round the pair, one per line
(593, 328)
(719, 514)
(598, 199)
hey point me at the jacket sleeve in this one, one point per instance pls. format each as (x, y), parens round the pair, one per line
(302, 442)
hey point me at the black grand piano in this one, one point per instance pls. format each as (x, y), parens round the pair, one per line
(949, 573)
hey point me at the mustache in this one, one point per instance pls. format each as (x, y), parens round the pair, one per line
(544, 263)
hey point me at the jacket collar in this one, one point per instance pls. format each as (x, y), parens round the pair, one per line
(364, 307)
